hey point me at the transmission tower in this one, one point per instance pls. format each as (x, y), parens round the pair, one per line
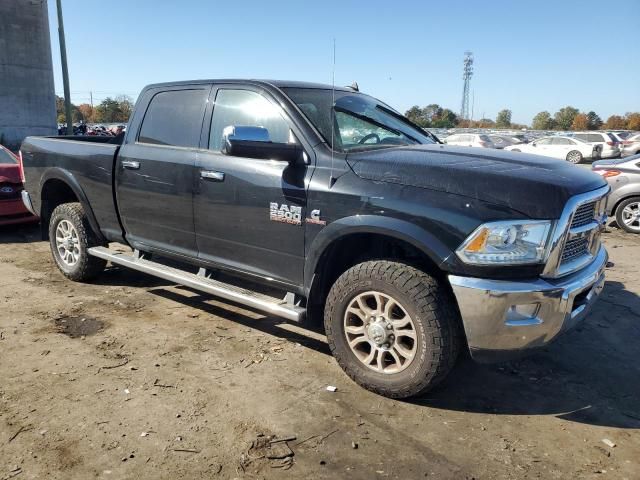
(466, 76)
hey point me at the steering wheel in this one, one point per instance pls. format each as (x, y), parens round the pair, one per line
(369, 137)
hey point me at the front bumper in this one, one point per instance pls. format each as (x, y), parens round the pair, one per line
(505, 319)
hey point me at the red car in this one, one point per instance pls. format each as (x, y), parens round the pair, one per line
(12, 210)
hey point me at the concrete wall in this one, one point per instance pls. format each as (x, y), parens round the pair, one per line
(27, 96)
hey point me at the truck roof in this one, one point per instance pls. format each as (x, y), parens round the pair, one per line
(274, 83)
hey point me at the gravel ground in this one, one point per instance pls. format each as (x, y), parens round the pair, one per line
(132, 377)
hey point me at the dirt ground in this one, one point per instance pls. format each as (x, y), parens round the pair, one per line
(131, 377)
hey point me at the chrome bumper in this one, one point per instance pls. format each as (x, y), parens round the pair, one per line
(504, 319)
(26, 199)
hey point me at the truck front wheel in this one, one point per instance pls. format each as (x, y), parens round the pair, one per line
(392, 328)
(70, 236)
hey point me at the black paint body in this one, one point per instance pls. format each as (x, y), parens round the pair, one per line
(430, 196)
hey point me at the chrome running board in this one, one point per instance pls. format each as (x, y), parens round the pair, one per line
(200, 281)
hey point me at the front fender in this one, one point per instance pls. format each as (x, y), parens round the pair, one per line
(423, 240)
(56, 173)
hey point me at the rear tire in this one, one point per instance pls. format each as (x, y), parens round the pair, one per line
(628, 215)
(392, 328)
(574, 156)
(70, 236)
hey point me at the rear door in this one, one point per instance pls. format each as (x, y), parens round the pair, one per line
(156, 171)
(560, 146)
(250, 213)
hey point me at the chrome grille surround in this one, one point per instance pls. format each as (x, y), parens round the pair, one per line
(575, 240)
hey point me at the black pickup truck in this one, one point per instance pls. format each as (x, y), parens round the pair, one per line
(407, 249)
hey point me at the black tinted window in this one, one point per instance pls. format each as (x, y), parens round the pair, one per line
(174, 118)
(247, 109)
(6, 157)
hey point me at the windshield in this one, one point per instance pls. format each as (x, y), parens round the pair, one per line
(360, 122)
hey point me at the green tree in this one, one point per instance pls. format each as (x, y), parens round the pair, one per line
(594, 122)
(126, 107)
(445, 119)
(503, 120)
(415, 115)
(564, 117)
(431, 113)
(543, 121)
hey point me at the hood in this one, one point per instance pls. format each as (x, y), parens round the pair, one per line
(536, 186)
(9, 173)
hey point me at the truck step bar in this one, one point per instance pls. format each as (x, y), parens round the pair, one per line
(200, 281)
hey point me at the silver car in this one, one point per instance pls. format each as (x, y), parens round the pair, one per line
(631, 145)
(623, 175)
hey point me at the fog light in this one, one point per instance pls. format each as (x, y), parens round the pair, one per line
(520, 315)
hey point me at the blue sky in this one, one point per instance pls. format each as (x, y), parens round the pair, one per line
(529, 56)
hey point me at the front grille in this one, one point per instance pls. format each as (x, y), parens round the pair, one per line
(584, 215)
(575, 248)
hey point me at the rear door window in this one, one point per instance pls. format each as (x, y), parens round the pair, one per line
(594, 137)
(174, 118)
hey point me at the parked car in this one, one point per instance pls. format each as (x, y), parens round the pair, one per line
(570, 149)
(12, 209)
(469, 140)
(502, 141)
(610, 146)
(406, 249)
(631, 146)
(623, 176)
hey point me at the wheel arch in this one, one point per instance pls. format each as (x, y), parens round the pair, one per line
(60, 186)
(352, 240)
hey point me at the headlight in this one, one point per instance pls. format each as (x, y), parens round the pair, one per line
(507, 243)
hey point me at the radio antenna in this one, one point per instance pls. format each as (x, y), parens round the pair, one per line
(332, 180)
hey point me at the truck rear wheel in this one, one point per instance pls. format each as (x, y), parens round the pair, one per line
(70, 235)
(392, 328)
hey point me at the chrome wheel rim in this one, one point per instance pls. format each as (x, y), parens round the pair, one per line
(380, 332)
(67, 243)
(631, 216)
(573, 157)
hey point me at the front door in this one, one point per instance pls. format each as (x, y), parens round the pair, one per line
(249, 213)
(156, 172)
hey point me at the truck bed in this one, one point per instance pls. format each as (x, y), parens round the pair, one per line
(87, 163)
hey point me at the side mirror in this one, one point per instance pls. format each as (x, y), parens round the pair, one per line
(534, 144)
(254, 142)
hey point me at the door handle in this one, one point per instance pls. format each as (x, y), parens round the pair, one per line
(130, 164)
(211, 175)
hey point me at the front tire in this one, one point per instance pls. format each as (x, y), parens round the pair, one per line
(392, 328)
(70, 236)
(628, 215)
(574, 156)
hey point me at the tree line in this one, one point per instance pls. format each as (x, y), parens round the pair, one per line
(110, 110)
(567, 118)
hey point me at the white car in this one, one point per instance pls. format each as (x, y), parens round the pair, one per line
(631, 146)
(469, 140)
(610, 146)
(564, 148)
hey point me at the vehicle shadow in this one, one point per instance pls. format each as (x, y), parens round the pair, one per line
(20, 233)
(588, 376)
